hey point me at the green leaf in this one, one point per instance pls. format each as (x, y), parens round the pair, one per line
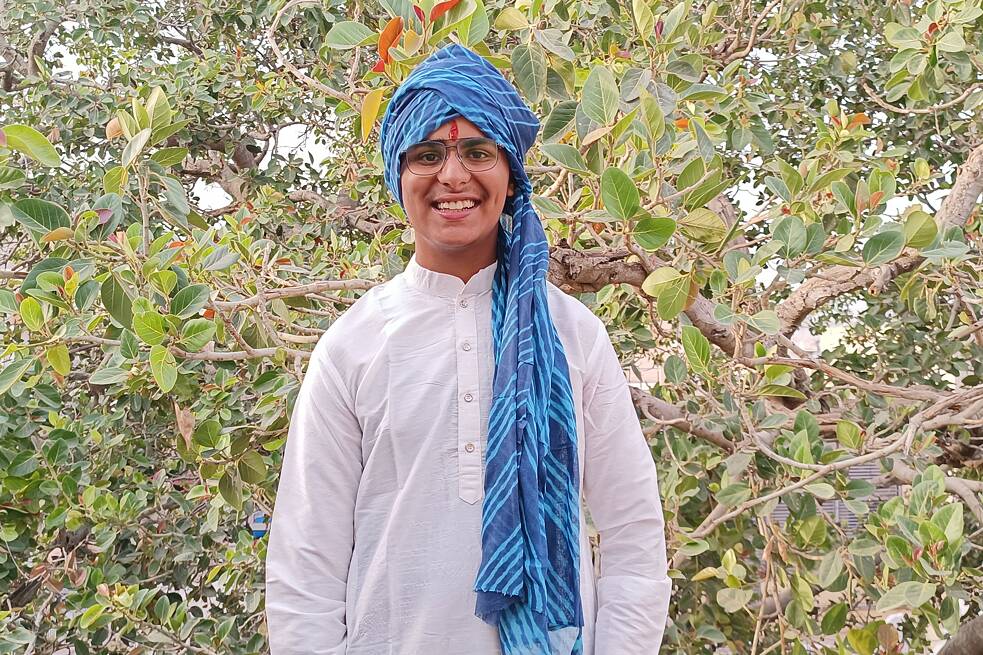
(57, 355)
(169, 156)
(834, 619)
(883, 247)
(230, 486)
(906, 594)
(11, 178)
(135, 147)
(670, 288)
(653, 118)
(12, 373)
(40, 216)
(765, 321)
(703, 225)
(821, 490)
(902, 37)
(529, 68)
(733, 600)
(159, 109)
(652, 233)
(781, 390)
(189, 300)
(697, 348)
(27, 140)
(196, 333)
(566, 156)
(644, 20)
(117, 301)
(252, 468)
(90, 616)
(164, 367)
(824, 180)
(115, 179)
(619, 194)
(32, 314)
(600, 96)
(129, 347)
(790, 231)
(849, 435)
(511, 18)
(952, 41)
(675, 369)
(863, 640)
(949, 519)
(552, 40)
(830, 568)
(349, 34)
(920, 229)
(559, 120)
(733, 495)
(150, 327)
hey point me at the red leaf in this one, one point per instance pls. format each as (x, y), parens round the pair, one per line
(389, 36)
(104, 215)
(419, 13)
(379, 67)
(442, 8)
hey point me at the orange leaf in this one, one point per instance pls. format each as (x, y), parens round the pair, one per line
(68, 273)
(177, 244)
(442, 8)
(379, 67)
(390, 35)
(681, 123)
(858, 119)
(209, 313)
(875, 199)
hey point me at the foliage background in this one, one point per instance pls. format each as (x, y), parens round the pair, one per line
(152, 348)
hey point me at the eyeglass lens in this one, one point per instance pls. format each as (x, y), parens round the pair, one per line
(477, 154)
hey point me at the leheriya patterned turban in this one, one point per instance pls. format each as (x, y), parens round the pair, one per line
(528, 582)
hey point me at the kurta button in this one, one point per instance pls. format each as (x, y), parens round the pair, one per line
(464, 302)
(469, 447)
(468, 397)
(466, 346)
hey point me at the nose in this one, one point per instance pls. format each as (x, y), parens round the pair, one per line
(453, 173)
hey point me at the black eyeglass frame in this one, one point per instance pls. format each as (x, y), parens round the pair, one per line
(446, 144)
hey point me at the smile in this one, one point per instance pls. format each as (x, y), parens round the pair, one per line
(455, 209)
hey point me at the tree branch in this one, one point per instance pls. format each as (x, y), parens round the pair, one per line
(840, 280)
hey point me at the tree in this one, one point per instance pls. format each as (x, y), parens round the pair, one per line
(713, 176)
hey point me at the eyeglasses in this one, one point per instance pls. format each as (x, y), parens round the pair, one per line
(476, 154)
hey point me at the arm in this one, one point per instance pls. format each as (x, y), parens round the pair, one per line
(312, 530)
(622, 493)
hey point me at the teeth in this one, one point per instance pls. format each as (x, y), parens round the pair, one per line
(457, 204)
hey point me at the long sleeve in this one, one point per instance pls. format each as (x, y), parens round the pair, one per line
(311, 536)
(622, 493)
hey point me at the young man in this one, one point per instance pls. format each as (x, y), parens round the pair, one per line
(430, 498)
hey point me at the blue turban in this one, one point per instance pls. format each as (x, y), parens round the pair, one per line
(528, 583)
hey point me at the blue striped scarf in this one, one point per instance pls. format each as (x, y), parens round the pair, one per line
(528, 582)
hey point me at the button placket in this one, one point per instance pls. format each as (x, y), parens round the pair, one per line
(470, 487)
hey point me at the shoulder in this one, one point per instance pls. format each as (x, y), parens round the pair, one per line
(579, 328)
(350, 338)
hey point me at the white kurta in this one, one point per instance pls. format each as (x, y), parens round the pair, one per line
(376, 534)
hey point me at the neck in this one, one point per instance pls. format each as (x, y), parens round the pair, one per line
(461, 264)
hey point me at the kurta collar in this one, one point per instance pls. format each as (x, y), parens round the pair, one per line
(446, 285)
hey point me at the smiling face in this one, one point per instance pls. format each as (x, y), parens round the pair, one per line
(455, 212)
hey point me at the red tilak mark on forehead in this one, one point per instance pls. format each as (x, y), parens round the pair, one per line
(453, 133)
